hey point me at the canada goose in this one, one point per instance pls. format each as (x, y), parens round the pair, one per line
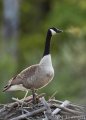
(38, 75)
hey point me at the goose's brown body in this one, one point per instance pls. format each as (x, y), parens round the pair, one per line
(33, 77)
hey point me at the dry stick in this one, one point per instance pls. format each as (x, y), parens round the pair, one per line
(48, 113)
(68, 110)
(47, 106)
(29, 114)
(71, 105)
(28, 99)
(38, 96)
(9, 115)
(64, 104)
(15, 104)
(53, 95)
(82, 117)
(2, 110)
(48, 110)
(17, 100)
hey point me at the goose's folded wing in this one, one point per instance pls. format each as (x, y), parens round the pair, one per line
(28, 72)
(23, 75)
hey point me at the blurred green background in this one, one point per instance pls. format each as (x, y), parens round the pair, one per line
(22, 44)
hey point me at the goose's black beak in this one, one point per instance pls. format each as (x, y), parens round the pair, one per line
(58, 30)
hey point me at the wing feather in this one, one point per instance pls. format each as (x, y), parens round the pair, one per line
(22, 76)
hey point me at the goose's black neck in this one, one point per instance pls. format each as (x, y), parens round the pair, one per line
(47, 43)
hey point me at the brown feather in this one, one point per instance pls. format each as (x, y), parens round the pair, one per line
(22, 77)
(28, 72)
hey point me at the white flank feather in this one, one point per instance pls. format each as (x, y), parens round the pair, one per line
(17, 87)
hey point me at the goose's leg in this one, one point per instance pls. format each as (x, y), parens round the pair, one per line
(23, 101)
(25, 95)
(34, 96)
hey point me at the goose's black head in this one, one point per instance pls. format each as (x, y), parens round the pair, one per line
(52, 31)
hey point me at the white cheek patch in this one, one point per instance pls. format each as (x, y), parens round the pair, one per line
(52, 31)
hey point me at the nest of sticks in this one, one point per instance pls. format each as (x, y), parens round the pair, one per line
(43, 110)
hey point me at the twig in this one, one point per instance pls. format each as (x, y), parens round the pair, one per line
(64, 104)
(27, 100)
(30, 98)
(70, 104)
(46, 104)
(53, 95)
(48, 113)
(17, 100)
(68, 110)
(29, 114)
(2, 110)
(60, 102)
(81, 117)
